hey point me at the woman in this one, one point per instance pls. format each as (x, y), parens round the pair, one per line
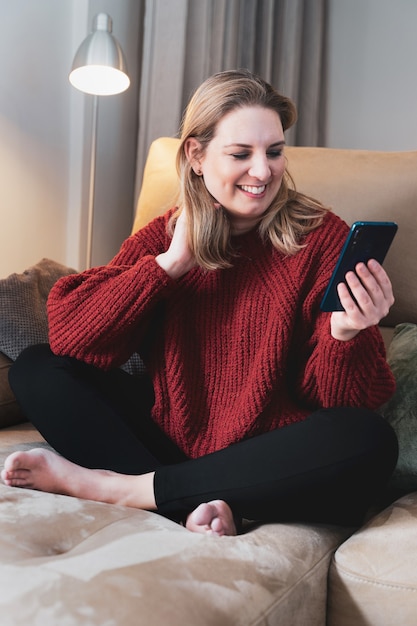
(257, 405)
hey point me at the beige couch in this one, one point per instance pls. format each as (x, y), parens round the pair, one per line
(69, 562)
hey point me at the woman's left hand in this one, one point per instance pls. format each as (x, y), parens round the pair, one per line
(372, 291)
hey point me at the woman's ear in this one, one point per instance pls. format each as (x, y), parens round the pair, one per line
(193, 151)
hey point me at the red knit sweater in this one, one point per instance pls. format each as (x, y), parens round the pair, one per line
(233, 352)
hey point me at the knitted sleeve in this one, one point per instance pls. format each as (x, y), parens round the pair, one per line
(339, 373)
(350, 373)
(100, 315)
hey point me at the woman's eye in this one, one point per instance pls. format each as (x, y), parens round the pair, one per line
(274, 154)
(271, 154)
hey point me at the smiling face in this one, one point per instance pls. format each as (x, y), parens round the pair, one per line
(243, 164)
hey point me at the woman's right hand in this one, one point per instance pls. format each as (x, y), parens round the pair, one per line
(369, 300)
(178, 259)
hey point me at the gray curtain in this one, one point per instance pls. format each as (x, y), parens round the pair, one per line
(185, 41)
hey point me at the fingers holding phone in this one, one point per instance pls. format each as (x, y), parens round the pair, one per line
(366, 297)
(365, 241)
(370, 290)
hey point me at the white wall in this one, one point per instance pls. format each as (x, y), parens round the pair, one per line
(45, 130)
(372, 80)
(34, 109)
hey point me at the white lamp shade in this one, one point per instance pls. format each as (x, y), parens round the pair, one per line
(99, 65)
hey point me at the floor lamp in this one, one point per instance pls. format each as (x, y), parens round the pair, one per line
(99, 68)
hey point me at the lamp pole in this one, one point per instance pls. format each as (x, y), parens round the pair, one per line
(92, 183)
(99, 68)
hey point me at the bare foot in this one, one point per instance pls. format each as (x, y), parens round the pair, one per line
(47, 471)
(212, 518)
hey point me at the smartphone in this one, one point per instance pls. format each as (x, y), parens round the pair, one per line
(365, 241)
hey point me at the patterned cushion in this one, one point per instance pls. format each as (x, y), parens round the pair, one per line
(10, 412)
(23, 320)
(401, 409)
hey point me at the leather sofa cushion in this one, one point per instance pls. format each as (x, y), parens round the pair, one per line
(373, 576)
(69, 561)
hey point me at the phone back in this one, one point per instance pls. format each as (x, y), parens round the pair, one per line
(365, 241)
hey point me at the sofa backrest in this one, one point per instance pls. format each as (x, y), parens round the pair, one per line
(356, 184)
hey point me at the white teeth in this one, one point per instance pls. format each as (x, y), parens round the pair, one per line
(255, 190)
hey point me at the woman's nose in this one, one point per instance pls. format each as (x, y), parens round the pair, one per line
(260, 168)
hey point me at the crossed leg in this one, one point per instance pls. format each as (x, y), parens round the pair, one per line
(323, 469)
(111, 413)
(47, 471)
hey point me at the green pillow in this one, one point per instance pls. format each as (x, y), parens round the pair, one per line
(401, 409)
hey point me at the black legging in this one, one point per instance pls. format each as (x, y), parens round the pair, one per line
(324, 469)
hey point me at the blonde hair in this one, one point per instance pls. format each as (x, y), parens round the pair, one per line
(290, 216)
